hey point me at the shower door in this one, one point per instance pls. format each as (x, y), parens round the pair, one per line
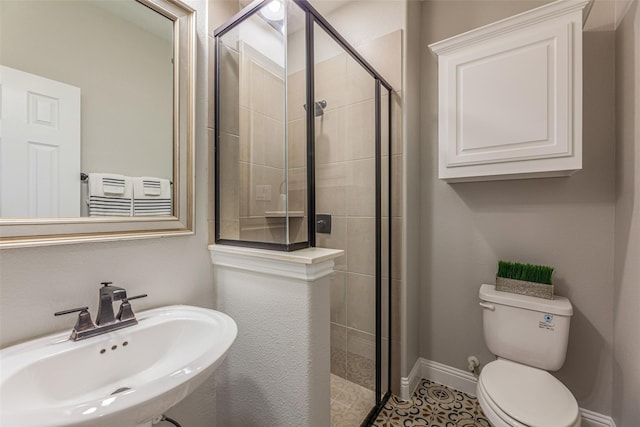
(351, 195)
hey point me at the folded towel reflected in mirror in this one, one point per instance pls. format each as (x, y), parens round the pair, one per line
(110, 194)
(152, 196)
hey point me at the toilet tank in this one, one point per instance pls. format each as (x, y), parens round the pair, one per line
(529, 330)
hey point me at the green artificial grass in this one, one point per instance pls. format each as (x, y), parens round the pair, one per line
(527, 272)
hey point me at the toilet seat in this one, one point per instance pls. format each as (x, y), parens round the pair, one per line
(517, 395)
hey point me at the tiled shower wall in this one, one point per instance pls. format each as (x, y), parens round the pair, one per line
(345, 189)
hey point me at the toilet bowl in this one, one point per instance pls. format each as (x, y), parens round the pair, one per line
(515, 395)
(529, 336)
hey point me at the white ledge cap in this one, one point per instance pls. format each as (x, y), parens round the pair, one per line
(302, 256)
(309, 264)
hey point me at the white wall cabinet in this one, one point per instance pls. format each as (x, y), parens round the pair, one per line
(510, 96)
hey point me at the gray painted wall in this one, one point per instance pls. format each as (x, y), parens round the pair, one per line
(564, 222)
(626, 349)
(34, 283)
(410, 294)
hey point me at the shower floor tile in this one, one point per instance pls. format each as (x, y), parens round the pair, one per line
(350, 402)
(433, 405)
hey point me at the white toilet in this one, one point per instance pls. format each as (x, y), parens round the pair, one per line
(529, 335)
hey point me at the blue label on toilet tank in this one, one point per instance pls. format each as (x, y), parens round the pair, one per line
(547, 323)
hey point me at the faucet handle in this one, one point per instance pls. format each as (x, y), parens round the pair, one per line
(84, 322)
(71, 310)
(125, 312)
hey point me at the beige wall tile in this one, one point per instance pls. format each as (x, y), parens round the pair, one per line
(297, 199)
(361, 358)
(244, 186)
(331, 81)
(275, 178)
(385, 138)
(396, 185)
(385, 55)
(385, 248)
(298, 230)
(229, 177)
(361, 343)
(252, 229)
(256, 177)
(274, 96)
(258, 138)
(338, 350)
(211, 73)
(331, 188)
(297, 143)
(396, 123)
(338, 298)
(384, 165)
(360, 83)
(276, 230)
(296, 95)
(361, 299)
(331, 133)
(245, 135)
(229, 91)
(396, 248)
(336, 240)
(361, 188)
(230, 229)
(256, 93)
(361, 242)
(274, 143)
(360, 128)
(211, 178)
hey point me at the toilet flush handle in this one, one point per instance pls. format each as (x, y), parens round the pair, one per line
(487, 306)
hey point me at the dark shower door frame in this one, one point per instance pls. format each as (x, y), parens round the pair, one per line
(312, 16)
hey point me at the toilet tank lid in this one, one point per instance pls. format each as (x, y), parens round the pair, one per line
(558, 305)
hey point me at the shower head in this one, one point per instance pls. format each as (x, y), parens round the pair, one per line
(319, 107)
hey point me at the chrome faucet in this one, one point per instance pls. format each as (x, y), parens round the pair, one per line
(105, 320)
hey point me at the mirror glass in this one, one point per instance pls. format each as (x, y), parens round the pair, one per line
(87, 88)
(113, 83)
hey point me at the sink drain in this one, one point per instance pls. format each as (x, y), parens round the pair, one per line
(120, 390)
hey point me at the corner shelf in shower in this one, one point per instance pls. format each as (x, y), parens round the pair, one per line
(283, 214)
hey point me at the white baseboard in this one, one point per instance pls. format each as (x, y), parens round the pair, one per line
(451, 377)
(594, 419)
(409, 384)
(466, 382)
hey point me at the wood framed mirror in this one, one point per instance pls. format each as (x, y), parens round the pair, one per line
(124, 71)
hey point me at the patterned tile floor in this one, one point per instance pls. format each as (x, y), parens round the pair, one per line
(350, 402)
(433, 405)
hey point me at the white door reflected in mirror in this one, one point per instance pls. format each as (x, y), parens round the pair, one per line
(39, 148)
(119, 55)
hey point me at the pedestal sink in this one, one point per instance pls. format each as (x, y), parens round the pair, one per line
(123, 378)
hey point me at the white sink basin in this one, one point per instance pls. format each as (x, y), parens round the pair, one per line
(123, 378)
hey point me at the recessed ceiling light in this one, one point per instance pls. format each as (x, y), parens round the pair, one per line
(273, 11)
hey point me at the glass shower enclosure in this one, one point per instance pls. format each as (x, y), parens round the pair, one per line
(302, 144)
